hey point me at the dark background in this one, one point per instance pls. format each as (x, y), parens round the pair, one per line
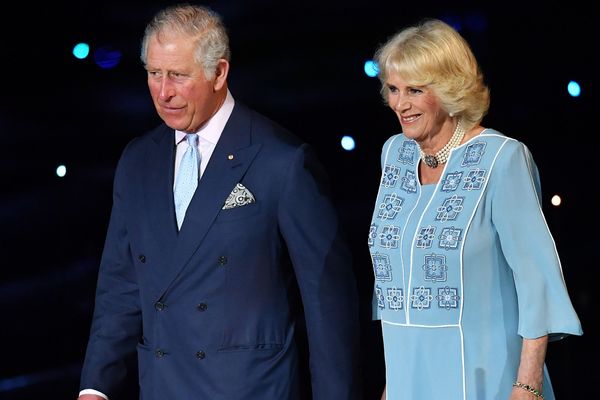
(300, 63)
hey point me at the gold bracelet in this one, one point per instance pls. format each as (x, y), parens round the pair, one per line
(531, 390)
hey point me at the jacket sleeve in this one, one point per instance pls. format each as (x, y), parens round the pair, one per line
(323, 267)
(116, 323)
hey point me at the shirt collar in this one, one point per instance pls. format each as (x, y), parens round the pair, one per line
(212, 129)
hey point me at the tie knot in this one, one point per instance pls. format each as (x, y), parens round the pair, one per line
(192, 139)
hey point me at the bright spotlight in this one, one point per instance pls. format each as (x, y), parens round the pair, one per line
(348, 143)
(81, 50)
(61, 171)
(574, 89)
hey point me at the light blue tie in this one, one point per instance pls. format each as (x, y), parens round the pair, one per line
(187, 178)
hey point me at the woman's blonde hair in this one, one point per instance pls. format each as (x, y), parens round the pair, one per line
(434, 55)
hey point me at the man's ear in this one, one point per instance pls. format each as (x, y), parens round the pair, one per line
(221, 74)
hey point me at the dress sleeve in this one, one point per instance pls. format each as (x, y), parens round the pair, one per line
(376, 314)
(528, 246)
(385, 154)
(386, 149)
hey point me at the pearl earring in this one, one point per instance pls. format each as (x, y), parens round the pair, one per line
(451, 114)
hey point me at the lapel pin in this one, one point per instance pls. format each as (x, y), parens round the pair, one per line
(230, 157)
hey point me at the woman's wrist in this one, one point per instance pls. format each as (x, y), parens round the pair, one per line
(530, 389)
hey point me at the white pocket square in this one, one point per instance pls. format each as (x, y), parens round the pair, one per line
(239, 196)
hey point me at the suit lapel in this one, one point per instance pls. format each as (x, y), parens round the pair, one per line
(231, 158)
(159, 188)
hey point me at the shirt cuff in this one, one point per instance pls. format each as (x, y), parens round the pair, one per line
(92, 391)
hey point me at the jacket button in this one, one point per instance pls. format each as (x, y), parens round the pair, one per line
(159, 353)
(159, 306)
(222, 260)
(202, 307)
(200, 354)
(142, 258)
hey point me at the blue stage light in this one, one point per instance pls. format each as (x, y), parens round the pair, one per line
(81, 50)
(106, 57)
(371, 68)
(574, 89)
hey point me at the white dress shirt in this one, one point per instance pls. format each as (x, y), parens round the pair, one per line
(208, 135)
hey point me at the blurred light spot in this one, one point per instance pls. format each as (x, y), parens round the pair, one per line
(106, 57)
(49, 378)
(348, 143)
(453, 20)
(371, 68)
(81, 50)
(574, 89)
(556, 200)
(13, 383)
(61, 171)
(476, 21)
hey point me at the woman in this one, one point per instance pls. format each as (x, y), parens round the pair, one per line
(468, 284)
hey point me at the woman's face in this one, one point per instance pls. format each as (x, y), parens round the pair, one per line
(418, 108)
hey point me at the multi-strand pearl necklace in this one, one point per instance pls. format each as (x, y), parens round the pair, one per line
(441, 156)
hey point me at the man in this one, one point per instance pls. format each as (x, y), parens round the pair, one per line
(212, 307)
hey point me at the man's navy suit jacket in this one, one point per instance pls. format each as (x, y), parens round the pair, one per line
(212, 310)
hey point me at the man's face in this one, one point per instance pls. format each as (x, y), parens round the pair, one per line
(184, 98)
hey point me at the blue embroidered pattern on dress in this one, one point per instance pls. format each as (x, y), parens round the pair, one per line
(391, 206)
(380, 297)
(423, 284)
(450, 209)
(382, 267)
(449, 238)
(390, 176)
(406, 154)
(409, 182)
(425, 237)
(372, 235)
(389, 237)
(447, 297)
(395, 298)
(435, 268)
(474, 180)
(421, 298)
(473, 154)
(451, 181)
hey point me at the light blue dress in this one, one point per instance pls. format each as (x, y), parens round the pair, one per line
(464, 269)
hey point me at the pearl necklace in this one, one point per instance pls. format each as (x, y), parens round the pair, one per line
(441, 156)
